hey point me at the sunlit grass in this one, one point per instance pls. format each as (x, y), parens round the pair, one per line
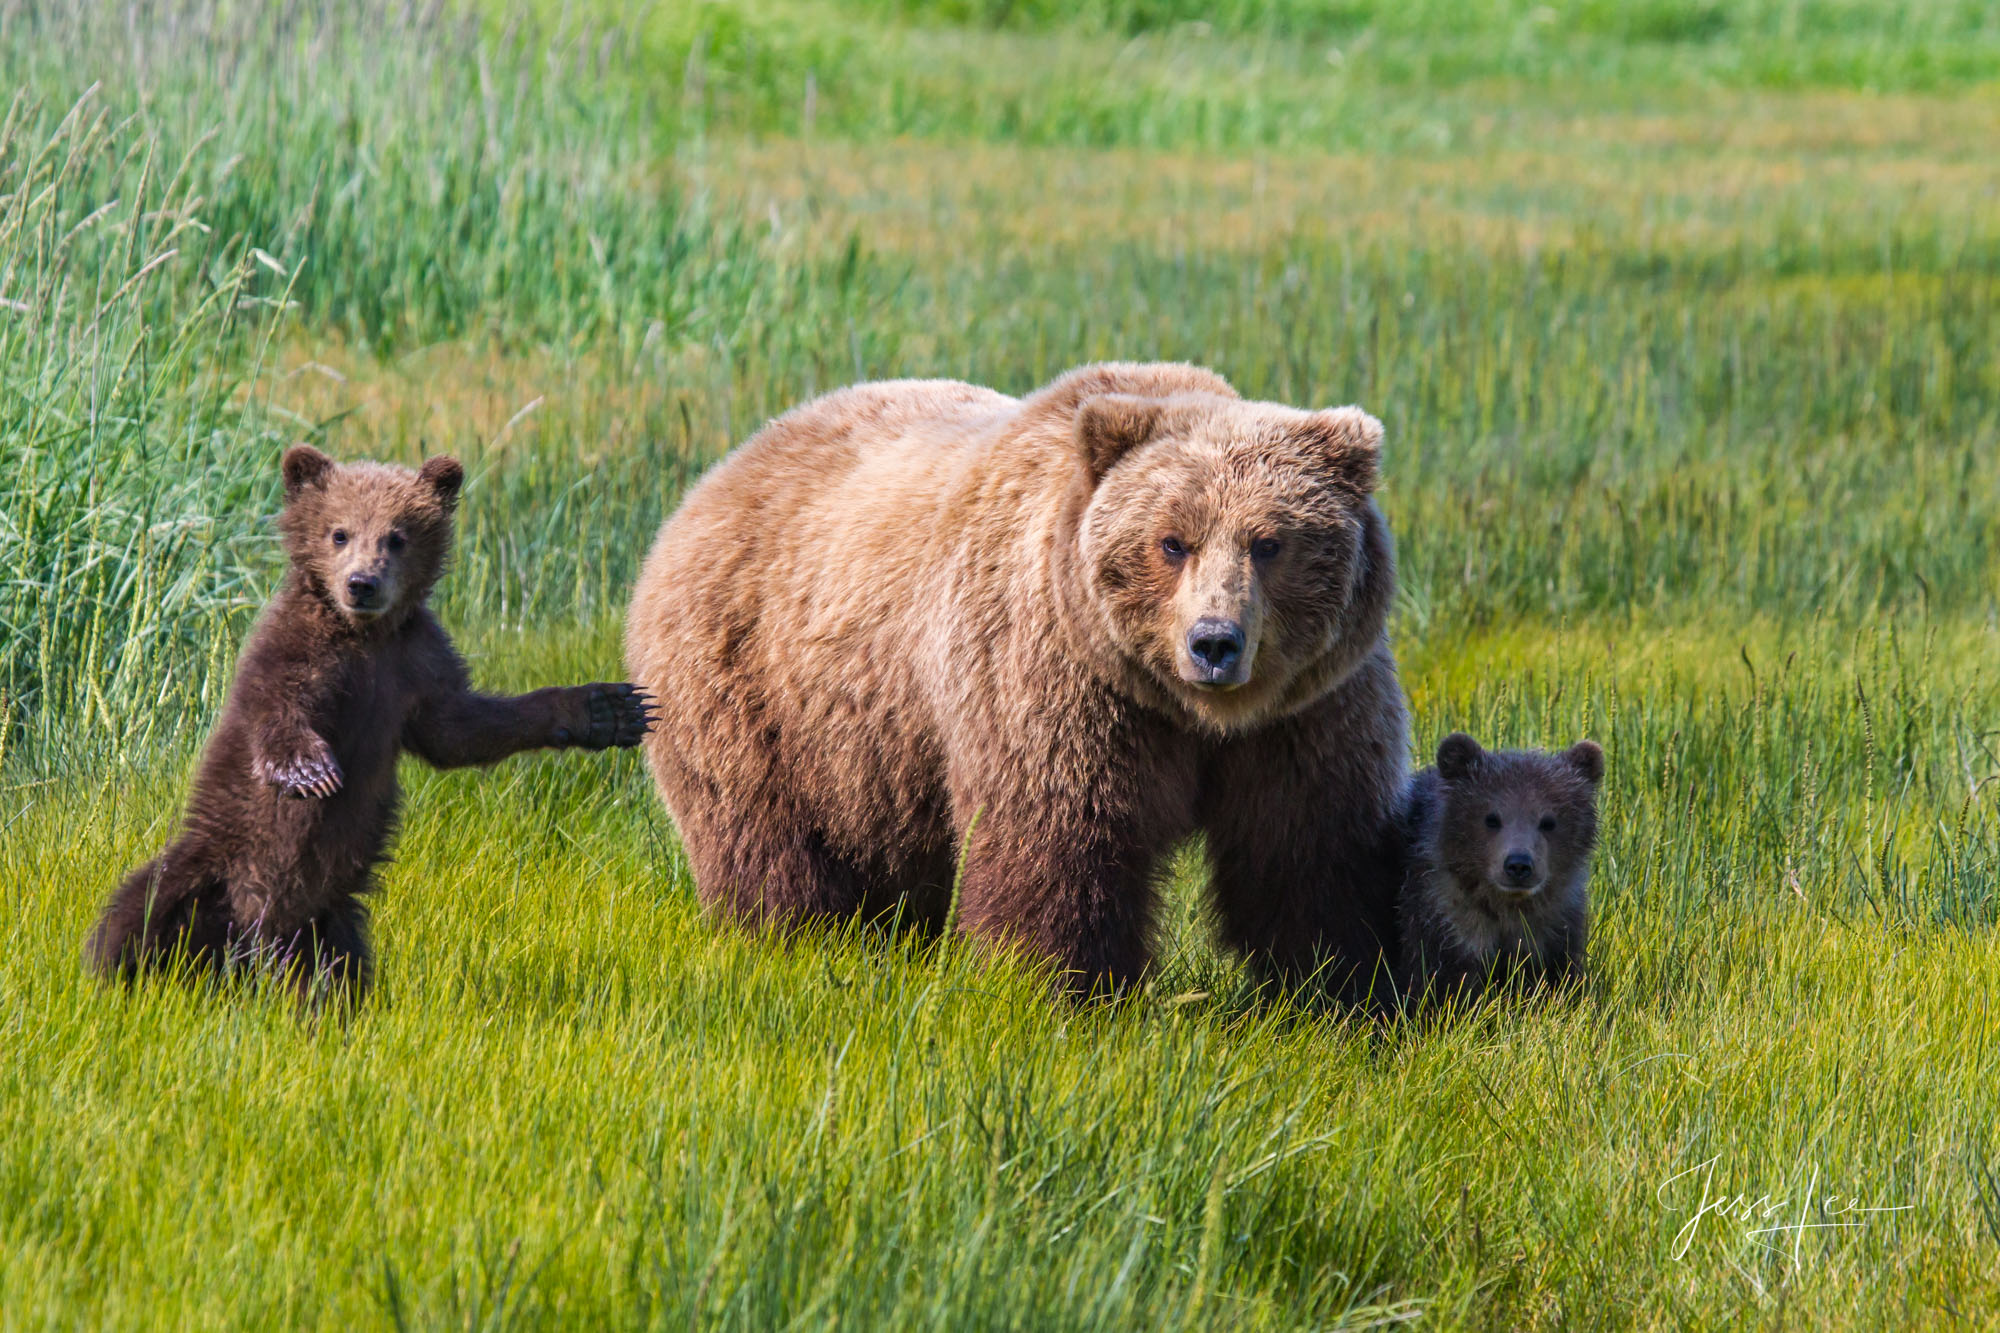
(576, 1100)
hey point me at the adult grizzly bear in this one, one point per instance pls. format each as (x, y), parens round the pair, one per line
(916, 621)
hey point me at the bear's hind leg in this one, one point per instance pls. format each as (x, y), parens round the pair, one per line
(335, 960)
(169, 908)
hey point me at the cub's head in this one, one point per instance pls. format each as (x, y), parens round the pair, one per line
(1232, 548)
(1513, 823)
(370, 539)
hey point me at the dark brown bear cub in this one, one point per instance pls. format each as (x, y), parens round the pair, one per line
(1500, 857)
(296, 797)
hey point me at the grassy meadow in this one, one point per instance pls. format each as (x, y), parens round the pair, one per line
(1684, 319)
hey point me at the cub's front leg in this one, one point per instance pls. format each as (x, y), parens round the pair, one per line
(611, 714)
(451, 725)
(468, 728)
(289, 755)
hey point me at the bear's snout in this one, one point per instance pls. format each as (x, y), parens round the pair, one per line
(1215, 652)
(361, 592)
(1518, 869)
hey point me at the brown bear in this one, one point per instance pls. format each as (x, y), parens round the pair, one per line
(296, 796)
(1500, 846)
(918, 636)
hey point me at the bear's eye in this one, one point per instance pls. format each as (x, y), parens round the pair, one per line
(1492, 821)
(1173, 546)
(1265, 548)
(340, 536)
(396, 541)
(1548, 824)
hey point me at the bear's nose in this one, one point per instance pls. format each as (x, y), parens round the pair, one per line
(360, 589)
(1215, 645)
(1519, 867)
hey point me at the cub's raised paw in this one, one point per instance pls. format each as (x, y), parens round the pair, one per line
(303, 777)
(619, 714)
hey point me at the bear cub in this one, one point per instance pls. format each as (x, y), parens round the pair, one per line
(295, 799)
(1500, 845)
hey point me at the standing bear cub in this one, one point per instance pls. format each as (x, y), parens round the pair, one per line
(296, 796)
(920, 634)
(1500, 845)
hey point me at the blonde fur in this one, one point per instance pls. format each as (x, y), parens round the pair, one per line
(914, 609)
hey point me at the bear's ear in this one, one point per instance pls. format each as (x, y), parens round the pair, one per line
(1348, 442)
(1112, 425)
(443, 475)
(1587, 758)
(1458, 756)
(304, 466)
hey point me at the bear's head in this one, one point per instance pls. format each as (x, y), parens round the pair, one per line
(1513, 822)
(368, 539)
(1233, 549)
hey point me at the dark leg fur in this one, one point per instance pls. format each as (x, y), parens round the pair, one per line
(1307, 849)
(1079, 898)
(771, 868)
(1067, 833)
(170, 907)
(461, 729)
(334, 959)
(1306, 905)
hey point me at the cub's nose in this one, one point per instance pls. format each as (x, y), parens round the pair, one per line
(360, 589)
(1216, 646)
(1519, 867)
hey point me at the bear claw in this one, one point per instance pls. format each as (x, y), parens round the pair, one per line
(304, 778)
(620, 715)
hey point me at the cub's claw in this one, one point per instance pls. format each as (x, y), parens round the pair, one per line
(619, 714)
(313, 776)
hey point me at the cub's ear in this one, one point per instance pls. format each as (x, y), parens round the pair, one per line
(304, 466)
(1587, 758)
(1112, 425)
(1458, 755)
(1349, 442)
(443, 475)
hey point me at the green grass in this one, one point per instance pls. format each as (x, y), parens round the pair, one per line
(1682, 318)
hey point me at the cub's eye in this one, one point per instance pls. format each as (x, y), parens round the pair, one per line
(1174, 548)
(1548, 824)
(396, 541)
(340, 536)
(1492, 821)
(1265, 548)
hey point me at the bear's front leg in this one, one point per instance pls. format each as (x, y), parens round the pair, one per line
(1306, 842)
(1061, 842)
(450, 725)
(297, 761)
(458, 729)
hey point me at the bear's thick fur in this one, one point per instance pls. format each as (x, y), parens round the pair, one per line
(1500, 861)
(296, 796)
(919, 621)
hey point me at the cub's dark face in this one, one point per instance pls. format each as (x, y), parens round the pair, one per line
(1224, 541)
(1515, 822)
(370, 539)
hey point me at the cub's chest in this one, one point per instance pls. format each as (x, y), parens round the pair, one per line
(369, 705)
(1474, 928)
